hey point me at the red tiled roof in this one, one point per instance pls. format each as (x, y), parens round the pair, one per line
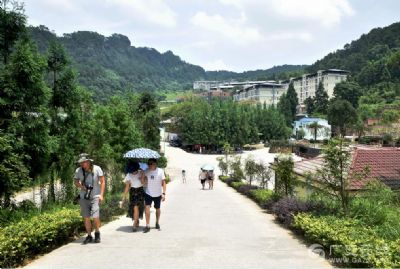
(311, 166)
(383, 163)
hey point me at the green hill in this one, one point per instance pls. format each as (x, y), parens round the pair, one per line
(110, 65)
(370, 48)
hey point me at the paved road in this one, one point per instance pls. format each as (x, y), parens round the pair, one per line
(199, 229)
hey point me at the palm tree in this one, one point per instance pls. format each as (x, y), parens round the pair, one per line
(315, 126)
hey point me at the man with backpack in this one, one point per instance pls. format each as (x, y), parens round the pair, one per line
(89, 178)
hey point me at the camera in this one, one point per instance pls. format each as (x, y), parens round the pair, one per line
(88, 192)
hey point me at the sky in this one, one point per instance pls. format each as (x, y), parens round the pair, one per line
(235, 35)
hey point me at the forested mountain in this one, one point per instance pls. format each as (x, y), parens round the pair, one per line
(374, 85)
(371, 47)
(110, 65)
(275, 73)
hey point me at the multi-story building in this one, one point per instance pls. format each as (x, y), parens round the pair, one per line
(307, 84)
(205, 85)
(267, 92)
(208, 85)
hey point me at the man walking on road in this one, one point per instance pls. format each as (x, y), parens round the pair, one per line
(155, 192)
(89, 178)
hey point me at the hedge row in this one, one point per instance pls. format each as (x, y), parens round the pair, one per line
(347, 241)
(36, 235)
(355, 243)
(262, 197)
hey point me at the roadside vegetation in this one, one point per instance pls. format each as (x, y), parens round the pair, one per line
(353, 230)
(46, 119)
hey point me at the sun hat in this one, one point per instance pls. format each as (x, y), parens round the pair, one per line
(83, 157)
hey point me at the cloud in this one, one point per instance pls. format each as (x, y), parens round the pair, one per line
(283, 36)
(58, 6)
(216, 66)
(235, 30)
(235, 3)
(153, 11)
(326, 12)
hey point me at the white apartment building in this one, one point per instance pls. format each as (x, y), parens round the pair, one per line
(268, 93)
(205, 85)
(208, 85)
(307, 84)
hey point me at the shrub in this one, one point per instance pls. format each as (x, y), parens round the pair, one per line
(261, 196)
(111, 208)
(279, 146)
(162, 162)
(36, 235)
(349, 239)
(236, 184)
(286, 208)
(223, 178)
(245, 189)
(275, 197)
(376, 207)
(230, 180)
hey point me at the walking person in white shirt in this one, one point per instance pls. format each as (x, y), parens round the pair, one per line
(155, 192)
(134, 180)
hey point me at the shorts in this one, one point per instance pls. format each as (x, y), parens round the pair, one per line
(203, 181)
(90, 208)
(149, 199)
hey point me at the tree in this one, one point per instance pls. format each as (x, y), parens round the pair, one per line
(250, 168)
(288, 103)
(342, 115)
(227, 151)
(148, 115)
(300, 134)
(223, 165)
(321, 100)
(272, 125)
(349, 91)
(146, 103)
(264, 174)
(293, 100)
(315, 126)
(235, 166)
(65, 105)
(13, 173)
(310, 105)
(284, 176)
(12, 26)
(24, 104)
(56, 62)
(335, 173)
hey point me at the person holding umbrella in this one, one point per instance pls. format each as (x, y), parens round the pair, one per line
(134, 181)
(155, 192)
(207, 174)
(154, 182)
(202, 177)
(210, 178)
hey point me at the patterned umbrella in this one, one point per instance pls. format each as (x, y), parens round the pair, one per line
(142, 153)
(208, 167)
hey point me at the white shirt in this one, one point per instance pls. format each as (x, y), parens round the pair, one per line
(134, 179)
(154, 182)
(202, 175)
